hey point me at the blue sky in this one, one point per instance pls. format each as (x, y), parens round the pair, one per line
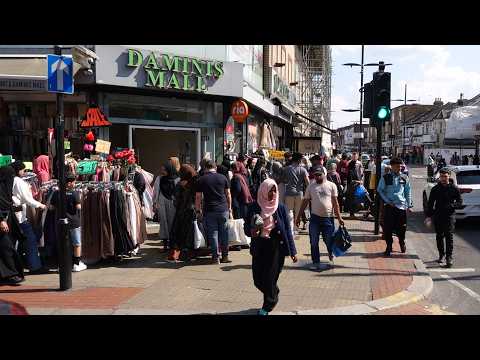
(430, 71)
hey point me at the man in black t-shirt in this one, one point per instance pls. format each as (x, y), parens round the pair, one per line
(217, 209)
(73, 207)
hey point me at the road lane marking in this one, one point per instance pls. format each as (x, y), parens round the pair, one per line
(451, 270)
(470, 292)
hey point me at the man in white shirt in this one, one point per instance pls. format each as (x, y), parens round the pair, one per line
(22, 196)
(323, 196)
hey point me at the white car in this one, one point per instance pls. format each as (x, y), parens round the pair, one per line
(467, 178)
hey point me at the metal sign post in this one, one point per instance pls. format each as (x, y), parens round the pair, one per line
(64, 246)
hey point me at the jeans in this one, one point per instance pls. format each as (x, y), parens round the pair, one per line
(217, 232)
(76, 236)
(31, 247)
(320, 225)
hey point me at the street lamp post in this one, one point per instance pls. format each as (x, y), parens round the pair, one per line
(403, 117)
(361, 65)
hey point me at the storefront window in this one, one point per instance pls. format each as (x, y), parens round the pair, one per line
(252, 57)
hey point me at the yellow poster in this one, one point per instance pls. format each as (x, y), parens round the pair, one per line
(102, 146)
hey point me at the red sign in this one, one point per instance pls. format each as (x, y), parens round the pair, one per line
(239, 111)
(95, 118)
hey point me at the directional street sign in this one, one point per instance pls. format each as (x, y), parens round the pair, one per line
(60, 74)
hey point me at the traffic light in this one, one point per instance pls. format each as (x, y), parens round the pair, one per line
(381, 96)
(367, 99)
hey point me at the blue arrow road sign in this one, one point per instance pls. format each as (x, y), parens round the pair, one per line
(60, 74)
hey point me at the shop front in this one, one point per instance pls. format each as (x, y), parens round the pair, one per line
(164, 105)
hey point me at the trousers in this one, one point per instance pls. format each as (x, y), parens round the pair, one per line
(444, 229)
(267, 264)
(30, 247)
(394, 220)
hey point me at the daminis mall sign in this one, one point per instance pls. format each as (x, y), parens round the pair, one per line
(167, 71)
(200, 69)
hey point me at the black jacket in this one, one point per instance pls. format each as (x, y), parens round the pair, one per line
(442, 200)
(282, 228)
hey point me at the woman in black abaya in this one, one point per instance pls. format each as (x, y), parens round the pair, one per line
(11, 269)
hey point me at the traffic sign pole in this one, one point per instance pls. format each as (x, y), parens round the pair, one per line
(64, 245)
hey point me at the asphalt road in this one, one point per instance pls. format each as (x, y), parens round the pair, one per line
(456, 290)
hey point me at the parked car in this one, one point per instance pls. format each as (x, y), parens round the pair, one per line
(467, 178)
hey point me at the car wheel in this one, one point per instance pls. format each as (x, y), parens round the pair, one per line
(425, 203)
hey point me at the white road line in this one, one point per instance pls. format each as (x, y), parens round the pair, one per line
(472, 293)
(452, 270)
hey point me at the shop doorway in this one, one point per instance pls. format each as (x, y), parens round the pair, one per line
(154, 145)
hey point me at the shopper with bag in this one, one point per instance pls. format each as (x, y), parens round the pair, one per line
(217, 209)
(267, 224)
(444, 198)
(323, 196)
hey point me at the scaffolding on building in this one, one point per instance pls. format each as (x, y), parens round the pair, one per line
(314, 95)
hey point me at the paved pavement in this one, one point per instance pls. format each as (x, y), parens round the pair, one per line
(361, 282)
(456, 290)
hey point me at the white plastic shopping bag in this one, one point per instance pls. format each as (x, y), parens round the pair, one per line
(198, 238)
(236, 233)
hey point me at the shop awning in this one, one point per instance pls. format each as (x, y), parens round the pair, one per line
(25, 72)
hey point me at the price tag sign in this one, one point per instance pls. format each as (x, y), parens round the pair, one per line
(102, 146)
(66, 145)
(88, 167)
(5, 160)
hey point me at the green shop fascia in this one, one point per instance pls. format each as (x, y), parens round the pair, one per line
(176, 72)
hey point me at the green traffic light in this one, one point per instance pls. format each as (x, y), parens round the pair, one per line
(382, 112)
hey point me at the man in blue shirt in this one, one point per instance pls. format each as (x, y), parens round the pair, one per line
(395, 190)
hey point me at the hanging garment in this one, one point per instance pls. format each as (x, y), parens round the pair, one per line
(133, 218)
(123, 243)
(141, 221)
(108, 246)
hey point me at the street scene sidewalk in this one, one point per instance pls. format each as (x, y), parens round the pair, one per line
(362, 281)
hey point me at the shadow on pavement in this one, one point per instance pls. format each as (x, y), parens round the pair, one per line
(456, 277)
(19, 290)
(242, 312)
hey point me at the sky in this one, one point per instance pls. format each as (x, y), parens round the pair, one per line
(430, 71)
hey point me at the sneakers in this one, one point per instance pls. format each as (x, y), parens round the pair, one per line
(440, 259)
(225, 260)
(262, 312)
(13, 280)
(215, 261)
(388, 252)
(80, 267)
(449, 262)
(318, 266)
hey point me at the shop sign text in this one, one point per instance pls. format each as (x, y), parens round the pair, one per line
(176, 72)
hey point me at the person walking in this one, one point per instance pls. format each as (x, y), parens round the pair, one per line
(182, 236)
(217, 209)
(296, 180)
(334, 177)
(163, 203)
(73, 208)
(259, 174)
(241, 196)
(22, 196)
(343, 169)
(395, 190)
(430, 165)
(278, 174)
(323, 197)
(268, 226)
(354, 178)
(11, 269)
(443, 199)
